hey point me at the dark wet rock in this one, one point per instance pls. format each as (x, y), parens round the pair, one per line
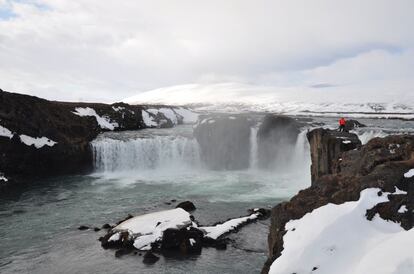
(353, 124)
(264, 213)
(326, 148)
(187, 206)
(220, 244)
(83, 227)
(173, 200)
(224, 141)
(276, 139)
(369, 166)
(129, 216)
(96, 229)
(123, 251)
(150, 258)
(122, 239)
(106, 226)
(186, 241)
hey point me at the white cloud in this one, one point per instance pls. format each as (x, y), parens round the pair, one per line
(108, 50)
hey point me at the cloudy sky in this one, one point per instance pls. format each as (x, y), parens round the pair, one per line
(101, 50)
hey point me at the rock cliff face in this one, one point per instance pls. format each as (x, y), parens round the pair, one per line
(40, 138)
(326, 148)
(381, 163)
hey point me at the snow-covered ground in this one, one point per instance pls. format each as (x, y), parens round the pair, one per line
(339, 239)
(175, 115)
(103, 122)
(234, 97)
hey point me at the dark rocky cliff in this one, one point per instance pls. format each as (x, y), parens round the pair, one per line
(27, 121)
(381, 163)
(326, 149)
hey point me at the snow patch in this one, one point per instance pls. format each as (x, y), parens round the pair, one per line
(3, 178)
(38, 142)
(346, 142)
(339, 239)
(117, 109)
(103, 122)
(5, 132)
(189, 117)
(409, 174)
(215, 232)
(167, 112)
(402, 209)
(148, 120)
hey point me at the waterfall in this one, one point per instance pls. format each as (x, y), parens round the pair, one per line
(156, 152)
(129, 152)
(253, 147)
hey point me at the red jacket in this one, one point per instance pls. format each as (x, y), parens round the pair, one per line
(342, 122)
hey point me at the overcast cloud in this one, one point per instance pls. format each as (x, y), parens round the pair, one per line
(97, 50)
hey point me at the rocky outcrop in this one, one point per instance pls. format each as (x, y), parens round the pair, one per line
(353, 124)
(224, 141)
(276, 139)
(326, 148)
(41, 138)
(382, 163)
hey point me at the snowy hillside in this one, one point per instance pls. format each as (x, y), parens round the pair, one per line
(325, 240)
(328, 100)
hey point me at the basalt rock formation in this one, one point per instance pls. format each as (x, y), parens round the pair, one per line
(381, 164)
(326, 149)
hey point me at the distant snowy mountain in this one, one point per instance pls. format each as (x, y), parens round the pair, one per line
(317, 99)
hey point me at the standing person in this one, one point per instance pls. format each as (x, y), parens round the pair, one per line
(342, 123)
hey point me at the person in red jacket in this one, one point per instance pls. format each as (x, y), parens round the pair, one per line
(342, 123)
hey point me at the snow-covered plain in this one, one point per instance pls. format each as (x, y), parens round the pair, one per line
(236, 97)
(339, 239)
(103, 122)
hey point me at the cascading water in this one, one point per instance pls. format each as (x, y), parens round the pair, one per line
(157, 152)
(253, 147)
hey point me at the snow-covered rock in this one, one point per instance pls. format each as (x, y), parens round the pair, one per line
(147, 229)
(38, 142)
(5, 132)
(214, 232)
(148, 120)
(103, 122)
(339, 239)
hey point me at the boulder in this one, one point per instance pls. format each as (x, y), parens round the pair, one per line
(186, 241)
(326, 148)
(187, 206)
(353, 124)
(276, 138)
(224, 141)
